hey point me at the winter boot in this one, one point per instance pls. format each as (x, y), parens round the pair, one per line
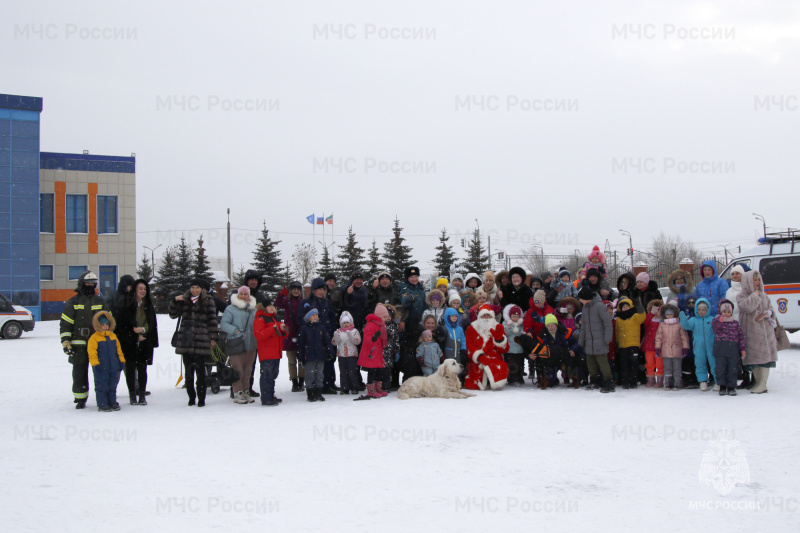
(723, 391)
(677, 383)
(252, 394)
(379, 389)
(760, 374)
(239, 398)
(201, 398)
(651, 382)
(320, 397)
(296, 386)
(133, 399)
(142, 400)
(301, 382)
(312, 395)
(232, 396)
(327, 390)
(372, 391)
(703, 386)
(271, 403)
(80, 404)
(115, 406)
(716, 387)
(593, 383)
(191, 400)
(608, 386)
(247, 397)
(104, 408)
(732, 391)
(659, 382)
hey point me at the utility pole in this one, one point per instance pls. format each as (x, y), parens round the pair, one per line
(229, 246)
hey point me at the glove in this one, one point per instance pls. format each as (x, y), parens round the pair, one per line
(658, 352)
(67, 345)
(497, 334)
(419, 360)
(685, 352)
(284, 292)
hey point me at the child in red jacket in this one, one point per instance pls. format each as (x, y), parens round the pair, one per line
(269, 333)
(373, 341)
(653, 365)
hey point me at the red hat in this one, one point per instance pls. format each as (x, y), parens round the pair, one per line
(485, 309)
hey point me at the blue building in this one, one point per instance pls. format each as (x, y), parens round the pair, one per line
(19, 200)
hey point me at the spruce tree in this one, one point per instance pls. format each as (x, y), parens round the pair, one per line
(396, 255)
(351, 256)
(145, 270)
(202, 270)
(184, 264)
(286, 276)
(373, 260)
(238, 277)
(477, 260)
(445, 256)
(267, 260)
(325, 264)
(167, 282)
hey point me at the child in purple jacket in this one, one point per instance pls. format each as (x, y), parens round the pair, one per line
(729, 345)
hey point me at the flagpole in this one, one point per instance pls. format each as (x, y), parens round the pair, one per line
(313, 228)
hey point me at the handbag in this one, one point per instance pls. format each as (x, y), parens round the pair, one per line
(782, 337)
(234, 346)
(175, 335)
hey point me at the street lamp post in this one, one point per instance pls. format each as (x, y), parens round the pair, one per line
(152, 256)
(630, 240)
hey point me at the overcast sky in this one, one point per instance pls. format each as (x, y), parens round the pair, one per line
(564, 122)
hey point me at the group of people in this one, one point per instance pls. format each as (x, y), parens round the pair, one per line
(501, 327)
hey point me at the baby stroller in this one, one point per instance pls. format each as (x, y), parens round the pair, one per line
(219, 371)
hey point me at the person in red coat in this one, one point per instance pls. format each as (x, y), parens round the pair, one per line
(269, 333)
(371, 356)
(533, 323)
(486, 344)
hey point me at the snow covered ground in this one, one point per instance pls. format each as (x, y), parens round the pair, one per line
(556, 460)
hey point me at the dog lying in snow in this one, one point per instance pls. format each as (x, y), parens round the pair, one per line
(443, 383)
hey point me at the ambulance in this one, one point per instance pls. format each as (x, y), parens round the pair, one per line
(14, 319)
(777, 258)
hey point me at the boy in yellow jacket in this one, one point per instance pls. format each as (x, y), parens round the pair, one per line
(629, 340)
(106, 358)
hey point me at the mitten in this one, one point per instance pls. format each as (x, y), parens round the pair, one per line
(419, 360)
(497, 334)
(658, 352)
(284, 292)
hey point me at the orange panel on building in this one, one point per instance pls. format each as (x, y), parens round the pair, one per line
(61, 216)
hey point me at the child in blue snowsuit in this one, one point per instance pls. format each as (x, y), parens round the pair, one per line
(455, 346)
(712, 287)
(702, 341)
(106, 358)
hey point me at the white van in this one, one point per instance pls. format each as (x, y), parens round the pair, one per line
(777, 258)
(14, 319)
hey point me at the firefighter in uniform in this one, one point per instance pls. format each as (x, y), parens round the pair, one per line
(76, 328)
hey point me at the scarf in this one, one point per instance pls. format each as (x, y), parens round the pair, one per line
(670, 321)
(194, 299)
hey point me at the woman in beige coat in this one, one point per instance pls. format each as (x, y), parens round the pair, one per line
(757, 318)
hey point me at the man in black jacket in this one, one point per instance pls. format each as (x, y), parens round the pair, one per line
(354, 299)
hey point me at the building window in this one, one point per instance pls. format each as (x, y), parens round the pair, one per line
(76, 213)
(75, 271)
(46, 210)
(107, 214)
(45, 272)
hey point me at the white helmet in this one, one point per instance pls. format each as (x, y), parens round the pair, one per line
(90, 277)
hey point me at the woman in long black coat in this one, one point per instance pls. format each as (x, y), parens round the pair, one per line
(137, 330)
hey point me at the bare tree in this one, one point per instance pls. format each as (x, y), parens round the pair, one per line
(304, 262)
(533, 259)
(669, 250)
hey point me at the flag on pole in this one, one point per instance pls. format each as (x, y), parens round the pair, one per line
(329, 219)
(310, 218)
(319, 220)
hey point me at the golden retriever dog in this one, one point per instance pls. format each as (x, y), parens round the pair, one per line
(443, 383)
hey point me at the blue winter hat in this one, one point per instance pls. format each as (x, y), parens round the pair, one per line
(308, 316)
(104, 320)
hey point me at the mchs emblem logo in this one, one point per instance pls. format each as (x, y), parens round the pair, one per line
(783, 305)
(724, 465)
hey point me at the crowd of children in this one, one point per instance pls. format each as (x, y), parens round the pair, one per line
(571, 333)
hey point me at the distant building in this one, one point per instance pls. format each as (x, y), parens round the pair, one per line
(60, 214)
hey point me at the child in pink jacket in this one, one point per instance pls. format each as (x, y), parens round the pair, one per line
(672, 345)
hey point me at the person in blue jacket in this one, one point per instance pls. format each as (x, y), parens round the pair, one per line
(327, 318)
(702, 342)
(712, 287)
(412, 299)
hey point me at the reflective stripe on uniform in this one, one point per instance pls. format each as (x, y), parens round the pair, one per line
(97, 307)
(66, 318)
(81, 395)
(76, 343)
(66, 334)
(77, 306)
